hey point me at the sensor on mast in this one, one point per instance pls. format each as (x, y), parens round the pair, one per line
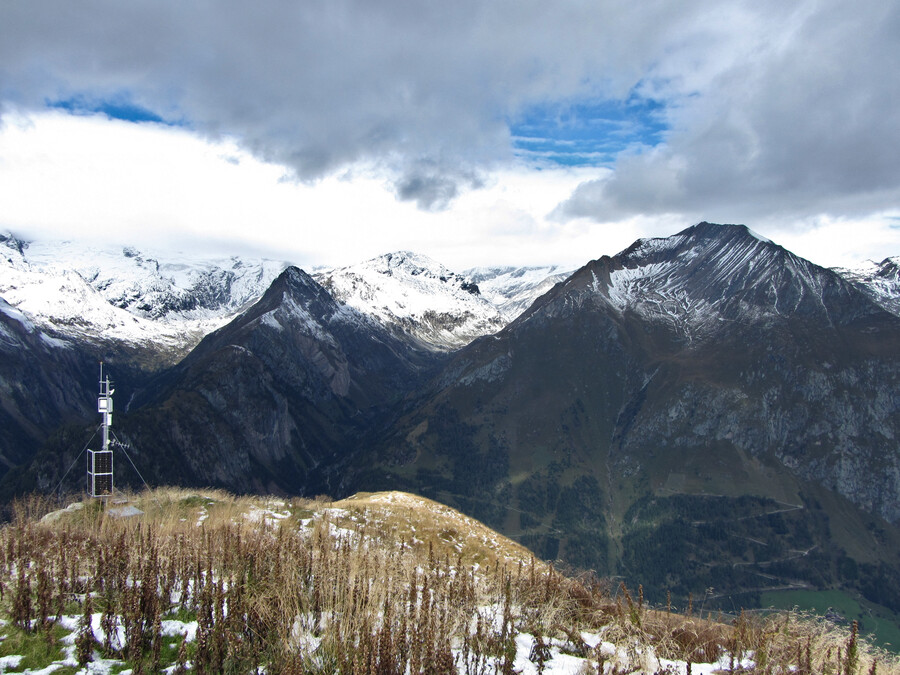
(100, 462)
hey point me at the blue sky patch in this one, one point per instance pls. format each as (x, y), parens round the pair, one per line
(118, 107)
(587, 133)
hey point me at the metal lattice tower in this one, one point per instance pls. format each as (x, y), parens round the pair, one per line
(100, 462)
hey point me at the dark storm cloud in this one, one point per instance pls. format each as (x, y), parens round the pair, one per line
(808, 123)
(317, 85)
(768, 105)
(322, 84)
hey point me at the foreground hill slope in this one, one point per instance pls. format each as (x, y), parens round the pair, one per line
(385, 582)
(709, 391)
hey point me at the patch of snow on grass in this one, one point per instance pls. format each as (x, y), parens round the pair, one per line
(260, 515)
(173, 628)
(9, 662)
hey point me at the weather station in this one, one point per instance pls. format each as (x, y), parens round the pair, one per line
(100, 483)
(100, 462)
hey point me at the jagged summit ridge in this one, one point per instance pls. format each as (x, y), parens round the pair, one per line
(123, 294)
(709, 276)
(296, 301)
(167, 302)
(418, 296)
(880, 281)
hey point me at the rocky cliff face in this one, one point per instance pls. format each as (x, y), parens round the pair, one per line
(44, 382)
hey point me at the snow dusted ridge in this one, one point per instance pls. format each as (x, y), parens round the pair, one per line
(418, 296)
(709, 277)
(123, 294)
(169, 302)
(513, 289)
(9, 338)
(880, 281)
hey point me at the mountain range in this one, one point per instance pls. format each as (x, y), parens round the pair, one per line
(700, 413)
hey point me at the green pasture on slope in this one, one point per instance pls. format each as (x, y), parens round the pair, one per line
(877, 622)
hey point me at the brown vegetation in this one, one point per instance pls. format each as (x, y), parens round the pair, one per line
(375, 584)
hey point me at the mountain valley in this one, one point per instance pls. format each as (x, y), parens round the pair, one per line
(706, 414)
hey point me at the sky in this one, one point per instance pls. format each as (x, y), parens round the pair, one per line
(478, 132)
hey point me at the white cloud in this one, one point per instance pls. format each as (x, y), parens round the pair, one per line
(841, 242)
(421, 89)
(799, 119)
(779, 115)
(79, 176)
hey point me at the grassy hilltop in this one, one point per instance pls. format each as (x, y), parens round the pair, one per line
(378, 583)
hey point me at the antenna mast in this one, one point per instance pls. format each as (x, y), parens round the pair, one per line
(100, 462)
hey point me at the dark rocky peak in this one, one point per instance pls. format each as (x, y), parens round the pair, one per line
(295, 280)
(703, 238)
(9, 240)
(296, 288)
(707, 276)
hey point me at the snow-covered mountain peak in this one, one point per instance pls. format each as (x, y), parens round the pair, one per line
(738, 242)
(880, 281)
(514, 289)
(127, 294)
(10, 241)
(417, 295)
(409, 265)
(170, 287)
(708, 277)
(171, 299)
(887, 269)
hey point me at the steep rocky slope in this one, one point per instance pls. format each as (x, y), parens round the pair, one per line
(44, 382)
(273, 397)
(685, 388)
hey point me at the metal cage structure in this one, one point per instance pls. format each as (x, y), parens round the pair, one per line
(100, 473)
(100, 462)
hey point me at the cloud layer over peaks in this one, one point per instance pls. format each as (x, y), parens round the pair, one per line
(753, 108)
(804, 121)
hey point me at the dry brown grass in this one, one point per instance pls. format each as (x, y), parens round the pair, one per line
(384, 583)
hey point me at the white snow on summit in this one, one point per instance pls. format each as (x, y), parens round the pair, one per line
(880, 281)
(706, 278)
(513, 289)
(171, 301)
(120, 293)
(418, 296)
